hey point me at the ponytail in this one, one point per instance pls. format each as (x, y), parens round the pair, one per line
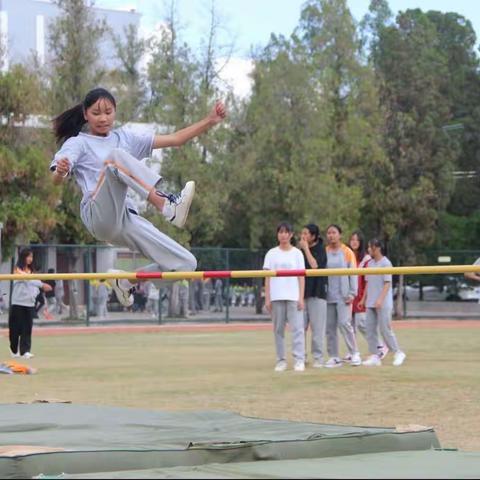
(69, 123)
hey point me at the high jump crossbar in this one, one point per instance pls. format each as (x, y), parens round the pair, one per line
(324, 272)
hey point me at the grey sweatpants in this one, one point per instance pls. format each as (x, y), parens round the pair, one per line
(339, 317)
(359, 321)
(107, 218)
(315, 315)
(283, 312)
(380, 319)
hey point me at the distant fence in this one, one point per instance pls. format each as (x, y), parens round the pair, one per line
(224, 299)
(220, 300)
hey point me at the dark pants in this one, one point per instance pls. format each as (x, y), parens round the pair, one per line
(20, 323)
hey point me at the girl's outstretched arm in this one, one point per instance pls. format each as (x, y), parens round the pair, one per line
(182, 136)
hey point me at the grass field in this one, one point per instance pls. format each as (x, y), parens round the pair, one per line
(439, 384)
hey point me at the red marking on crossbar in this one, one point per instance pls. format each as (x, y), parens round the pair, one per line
(142, 275)
(217, 274)
(290, 273)
(222, 274)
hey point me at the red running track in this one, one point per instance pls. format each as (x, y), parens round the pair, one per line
(230, 327)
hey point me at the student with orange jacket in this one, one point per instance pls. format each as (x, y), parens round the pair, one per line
(340, 295)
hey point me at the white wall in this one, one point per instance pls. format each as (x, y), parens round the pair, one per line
(40, 38)
(4, 40)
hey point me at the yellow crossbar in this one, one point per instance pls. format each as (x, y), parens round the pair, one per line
(136, 276)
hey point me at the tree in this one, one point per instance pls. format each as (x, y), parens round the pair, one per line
(281, 165)
(74, 42)
(74, 69)
(28, 199)
(128, 83)
(412, 70)
(182, 90)
(350, 105)
(457, 41)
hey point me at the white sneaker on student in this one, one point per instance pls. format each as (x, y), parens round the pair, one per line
(398, 358)
(347, 358)
(28, 355)
(14, 355)
(281, 366)
(356, 360)
(334, 362)
(122, 288)
(372, 361)
(177, 206)
(299, 366)
(318, 363)
(382, 351)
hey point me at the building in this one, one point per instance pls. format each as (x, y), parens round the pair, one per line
(24, 28)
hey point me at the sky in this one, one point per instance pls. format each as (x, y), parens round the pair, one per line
(249, 23)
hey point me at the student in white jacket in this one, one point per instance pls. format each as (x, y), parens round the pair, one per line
(20, 319)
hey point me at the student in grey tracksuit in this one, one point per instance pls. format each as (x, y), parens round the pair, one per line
(341, 292)
(378, 300)
(20, 319)
(106, 163)
(311, 244)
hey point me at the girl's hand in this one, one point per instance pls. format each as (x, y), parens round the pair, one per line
(378, 304)
(268, 306)
(63, 167)
(349, 300)
(46, 287)
(301, 304)
(303, 244)
(218, 113)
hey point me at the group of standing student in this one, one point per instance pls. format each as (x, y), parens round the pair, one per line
(345, 303)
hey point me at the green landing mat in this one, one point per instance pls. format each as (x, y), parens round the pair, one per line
(54, 439)
(407, 465)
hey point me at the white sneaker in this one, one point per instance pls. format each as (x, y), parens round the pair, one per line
(28, 355)
(318, 364)
(356, 360)
(122, 291)
(281, 366)
(398, 358)
(334, 362)
(347, 358)
(177, 206)
(14, 355)
(299, 366)
(372, 361)
(382, 351)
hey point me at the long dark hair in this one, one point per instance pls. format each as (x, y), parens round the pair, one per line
(22, 259)
(314, 231)
(69, 123)
(362, 246)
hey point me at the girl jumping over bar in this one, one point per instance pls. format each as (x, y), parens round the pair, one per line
(106, 163)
